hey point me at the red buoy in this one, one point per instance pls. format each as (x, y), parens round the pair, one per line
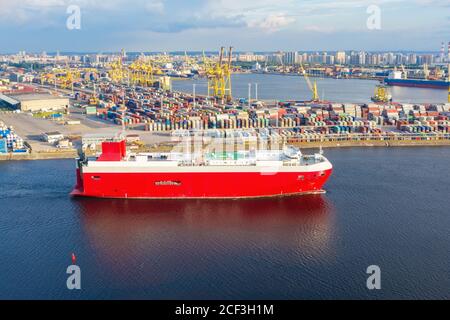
(74, 258)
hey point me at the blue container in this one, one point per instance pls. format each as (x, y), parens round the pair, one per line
(4, 133)
(3, 147)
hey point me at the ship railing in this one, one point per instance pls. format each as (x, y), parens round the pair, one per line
(305, 160)
(209, 164)
(311, 159)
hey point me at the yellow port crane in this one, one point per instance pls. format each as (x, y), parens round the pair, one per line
(94, 100)
(140, 73)
(162, 59)
(312, 86)
(68, 77)
(117, 71)
(156, 64)
(62, 77)
(47, 78)
(219, 75)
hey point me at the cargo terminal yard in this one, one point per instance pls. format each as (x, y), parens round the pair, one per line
(49, 114)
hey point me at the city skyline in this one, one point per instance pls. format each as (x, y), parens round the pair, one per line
(278, 57)
(171, 25)
(216, 51)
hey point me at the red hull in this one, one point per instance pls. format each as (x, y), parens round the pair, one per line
(198, 185)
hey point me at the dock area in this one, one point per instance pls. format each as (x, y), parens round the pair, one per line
(56, 112)
(299, 124)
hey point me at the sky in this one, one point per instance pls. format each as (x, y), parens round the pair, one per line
(247, 25)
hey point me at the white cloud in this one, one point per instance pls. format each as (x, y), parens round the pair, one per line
(273, 22)
(22, 11)
(180, 15)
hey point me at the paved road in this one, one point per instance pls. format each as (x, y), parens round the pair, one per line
(31, 129)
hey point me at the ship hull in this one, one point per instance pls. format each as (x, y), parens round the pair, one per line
(433, 84)
(198, 185)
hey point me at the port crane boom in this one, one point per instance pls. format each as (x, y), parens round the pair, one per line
(312, 87)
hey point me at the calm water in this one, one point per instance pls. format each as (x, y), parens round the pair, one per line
(385, 206)
(284, 87)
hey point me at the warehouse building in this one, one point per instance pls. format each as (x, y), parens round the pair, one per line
(94, 139)
(8, 103)
(34, 102)
(52, 137)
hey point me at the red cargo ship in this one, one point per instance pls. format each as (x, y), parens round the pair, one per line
(242, 174)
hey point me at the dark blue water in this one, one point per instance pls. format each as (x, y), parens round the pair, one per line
(285, 87)
(384, 206)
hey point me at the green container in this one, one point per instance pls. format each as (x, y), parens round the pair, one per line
(91, 110)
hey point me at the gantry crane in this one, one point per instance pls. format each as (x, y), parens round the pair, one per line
(219, 75)
(62, 77)
(117, 73)
(68, 76)
(140, 73)
(312, 86)
(163, 58)
(47, 78)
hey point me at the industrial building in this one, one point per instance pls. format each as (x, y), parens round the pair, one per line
(8, 103)
(34, 102)
(52, 137)
(97, 138)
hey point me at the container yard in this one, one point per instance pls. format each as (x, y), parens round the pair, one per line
(10, 142)
(135, 95)
(157, 111)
